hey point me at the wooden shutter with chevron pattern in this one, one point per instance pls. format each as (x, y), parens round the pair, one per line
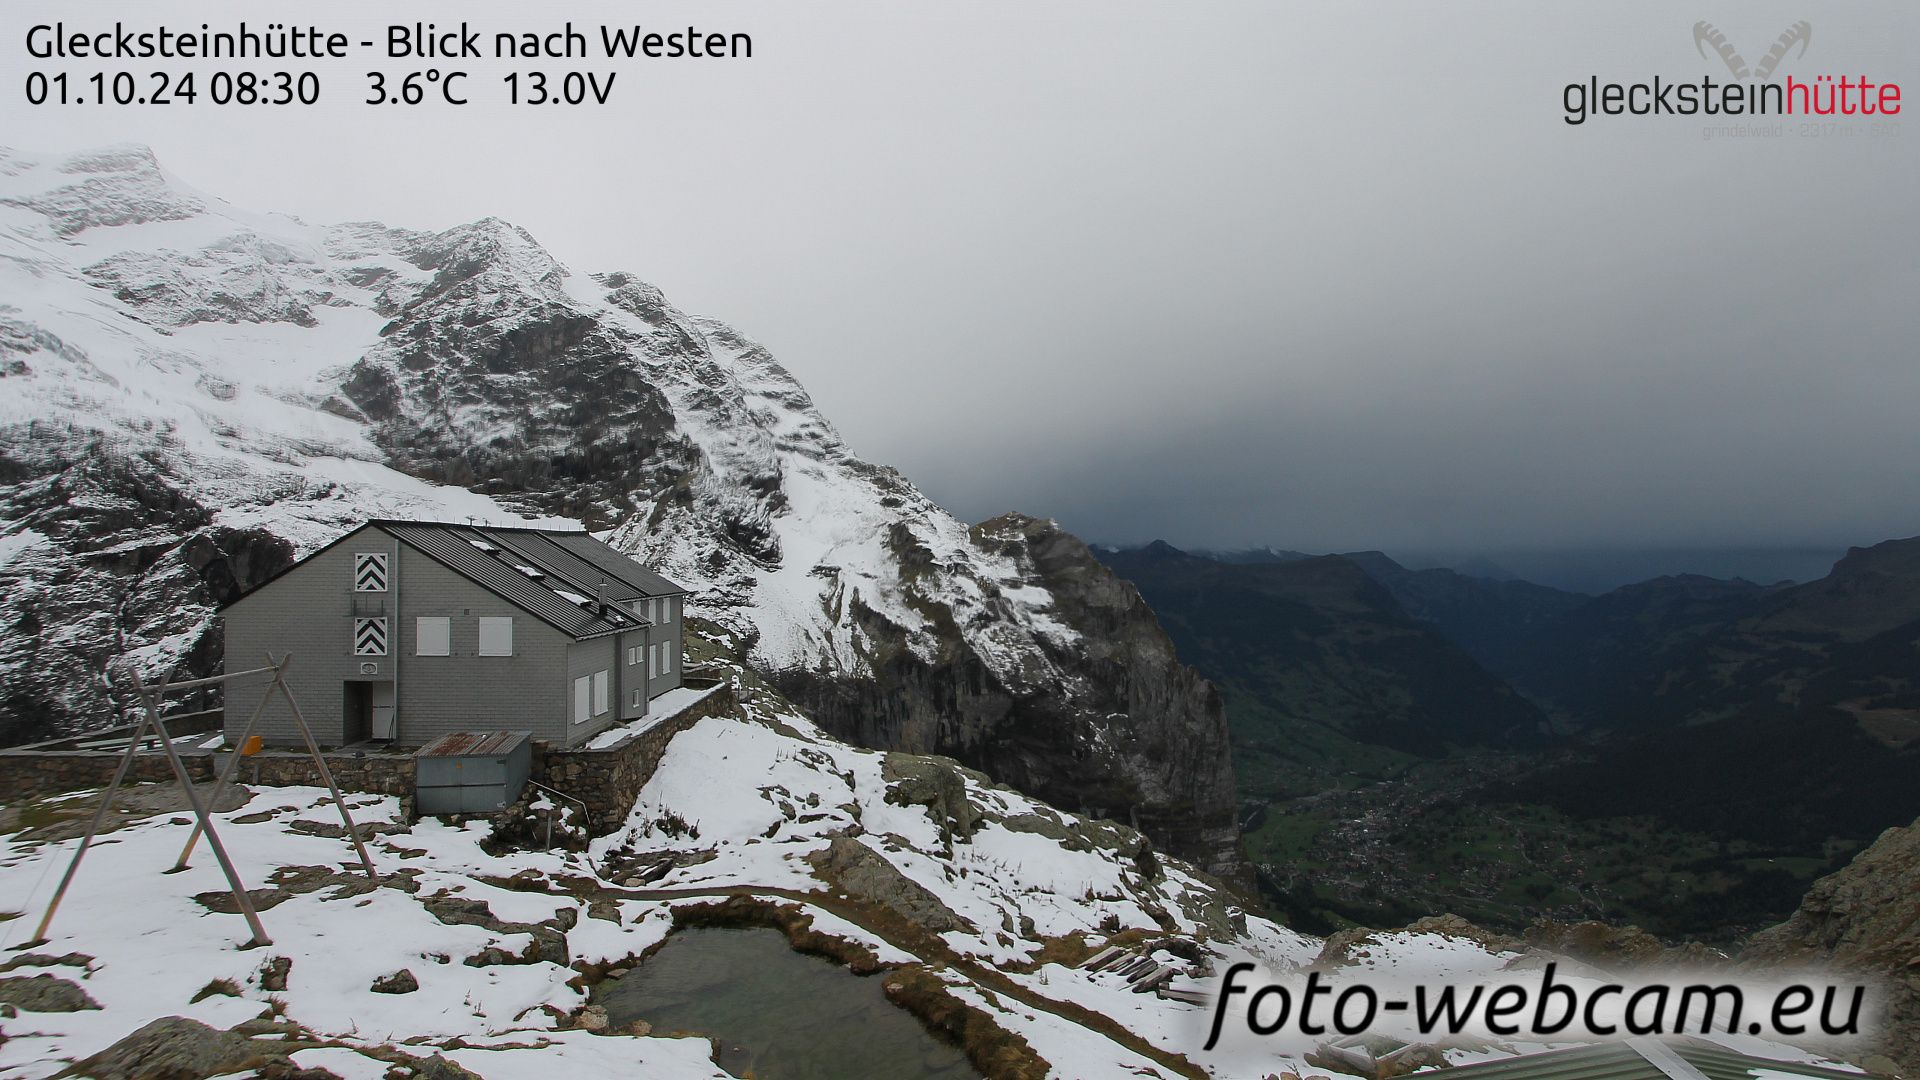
(369, 637)
(369, 571)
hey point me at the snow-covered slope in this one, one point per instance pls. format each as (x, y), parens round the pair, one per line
(956, 890)
(503, 948)
(192, 394)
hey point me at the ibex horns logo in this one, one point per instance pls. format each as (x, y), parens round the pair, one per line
(1705, 33)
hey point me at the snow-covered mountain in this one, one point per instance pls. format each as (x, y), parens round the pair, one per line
(191, 395)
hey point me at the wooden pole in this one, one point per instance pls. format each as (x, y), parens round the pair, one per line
(319, 761)
(188, 684)
(93, 827)
(226, 774)
(240, 896)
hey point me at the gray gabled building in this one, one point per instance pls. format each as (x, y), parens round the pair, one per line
(403, 631)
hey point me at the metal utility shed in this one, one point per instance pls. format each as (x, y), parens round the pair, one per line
(472, 772)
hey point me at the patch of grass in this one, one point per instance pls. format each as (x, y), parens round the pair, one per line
(219, 987)
(992, 1049)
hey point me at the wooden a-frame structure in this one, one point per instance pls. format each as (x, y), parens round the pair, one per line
(203, 822)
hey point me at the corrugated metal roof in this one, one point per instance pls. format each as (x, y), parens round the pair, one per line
(571, 563)
(610, 562)
(474, 744)
(622, 575)
(1621, 1061)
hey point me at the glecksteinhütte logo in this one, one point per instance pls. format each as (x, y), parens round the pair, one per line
(1745, 91)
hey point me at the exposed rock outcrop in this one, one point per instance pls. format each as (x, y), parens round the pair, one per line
(1865, 918)
(176, 1048)
(862, 873)
(44, 993)
(1135, 736)
(1600, 945)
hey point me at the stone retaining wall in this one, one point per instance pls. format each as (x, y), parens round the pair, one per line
(27, 774)
(608, 780)
(375, 774)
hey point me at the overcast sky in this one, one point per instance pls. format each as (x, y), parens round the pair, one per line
(1322, 277)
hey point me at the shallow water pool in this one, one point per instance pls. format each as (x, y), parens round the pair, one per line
(778, 1014)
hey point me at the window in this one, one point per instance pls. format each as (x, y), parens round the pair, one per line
(666, 658)
(666, 611)
(639, 698)
(581, 689)
(369, 571)
(600, 703)
(432, 636)
(496, 635)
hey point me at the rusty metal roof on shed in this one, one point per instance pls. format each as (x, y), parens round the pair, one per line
(474, 744)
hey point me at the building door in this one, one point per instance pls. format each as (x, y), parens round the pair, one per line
(382, 712)
(368, 713)
(357, 713)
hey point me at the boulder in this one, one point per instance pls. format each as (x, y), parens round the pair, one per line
(437, 1067)
(592, 1018)
(865, 874)
(176, 1048)
(44, 993)
(940, 785)
(400, 982)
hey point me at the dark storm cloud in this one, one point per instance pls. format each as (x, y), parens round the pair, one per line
(1321, 277)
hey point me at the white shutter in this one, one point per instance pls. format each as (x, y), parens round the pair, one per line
(580, 700)
(432, 635)
(496, 635)
(600, 703)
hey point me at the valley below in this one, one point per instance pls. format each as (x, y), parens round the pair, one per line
(1437, 837)
(1685, 755)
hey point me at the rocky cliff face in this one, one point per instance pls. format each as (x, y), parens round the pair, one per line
(1141, 737)
(195, 394)
(1865, 918)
